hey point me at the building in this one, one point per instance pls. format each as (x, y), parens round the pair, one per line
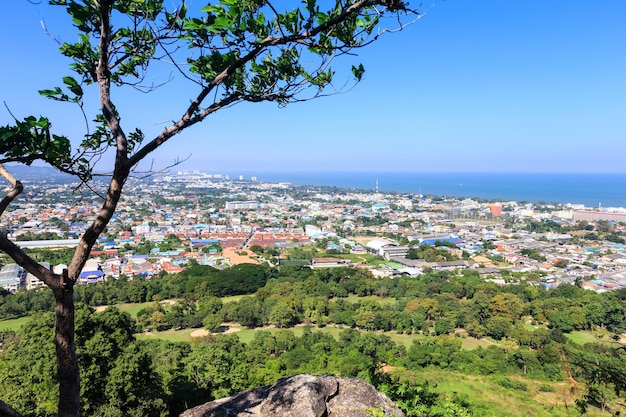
(593, 216)
(241, 205)
(376, 246)
(389, 252)
(31, 282)
(12, 277)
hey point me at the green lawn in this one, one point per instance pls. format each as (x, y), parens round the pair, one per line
(585, 336)
(169, 335)
(134, 308)
(13, 324)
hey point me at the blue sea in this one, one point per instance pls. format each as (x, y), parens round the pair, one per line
(592, 190)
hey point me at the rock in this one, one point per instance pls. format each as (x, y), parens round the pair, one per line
(303, 396)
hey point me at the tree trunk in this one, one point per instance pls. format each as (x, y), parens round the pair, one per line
(67, 364)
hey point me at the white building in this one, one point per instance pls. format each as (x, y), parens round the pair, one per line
(32, 282)
(241, 205)
(12, 277)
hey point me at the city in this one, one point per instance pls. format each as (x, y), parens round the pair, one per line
(166, 221)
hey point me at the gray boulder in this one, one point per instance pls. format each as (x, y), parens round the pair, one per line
(303, 396)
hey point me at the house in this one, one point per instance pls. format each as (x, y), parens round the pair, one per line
(91, 273)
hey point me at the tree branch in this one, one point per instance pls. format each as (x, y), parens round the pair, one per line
(186, 121)
(14, 251)
(104, 82)
(192, 115)
(7, 411)
(13, 193)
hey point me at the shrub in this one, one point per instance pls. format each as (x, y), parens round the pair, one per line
(511, 383)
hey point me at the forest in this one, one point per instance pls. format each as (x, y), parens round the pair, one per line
(527, 327)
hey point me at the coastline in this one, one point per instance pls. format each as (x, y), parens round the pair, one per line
(596, 191)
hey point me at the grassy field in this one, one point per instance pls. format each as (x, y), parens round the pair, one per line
(134, 308)
(246, 335)
(169, 335)
(584, 336)
(361, 258)
(487, 396)
(12, 325)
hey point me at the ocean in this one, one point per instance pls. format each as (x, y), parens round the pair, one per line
(592, 190)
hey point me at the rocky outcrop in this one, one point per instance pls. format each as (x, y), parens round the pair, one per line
(303, 396)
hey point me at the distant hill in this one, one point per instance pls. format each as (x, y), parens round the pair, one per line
(38, 173)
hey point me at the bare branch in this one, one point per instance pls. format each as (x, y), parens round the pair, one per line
(151, 172)
(45, 29)
(187, 120)
(10, 248)
(16, 190)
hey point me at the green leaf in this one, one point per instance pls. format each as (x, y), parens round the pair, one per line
(358, 71)
(321, 18)
(193, 24)
(50, 93)
(212, 9)
(73, 86)
(221, 23)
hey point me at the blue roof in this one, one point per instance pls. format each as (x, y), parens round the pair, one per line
(434, 241)
(204, 241)
(96, 273)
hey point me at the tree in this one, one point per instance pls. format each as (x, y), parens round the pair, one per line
(235, 51)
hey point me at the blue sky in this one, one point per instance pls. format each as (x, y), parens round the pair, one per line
(474, 86)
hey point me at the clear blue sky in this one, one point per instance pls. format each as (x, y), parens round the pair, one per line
(487, 86)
